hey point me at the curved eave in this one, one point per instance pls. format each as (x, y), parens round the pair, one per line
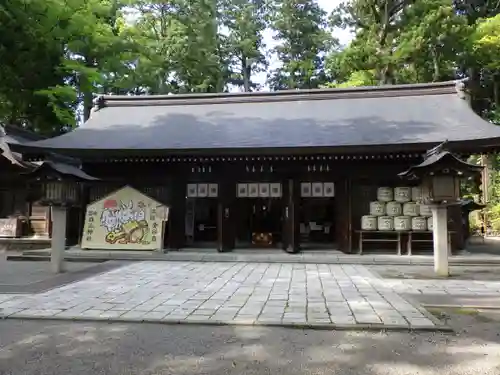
(362, 120)
(66, 170)
(471, 146)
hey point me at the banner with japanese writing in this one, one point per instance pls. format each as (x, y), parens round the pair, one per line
(125, 219)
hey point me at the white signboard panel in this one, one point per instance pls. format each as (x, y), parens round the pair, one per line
(264, 190)
(275, 190)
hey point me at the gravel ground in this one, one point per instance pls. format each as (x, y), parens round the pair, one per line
(55, 348)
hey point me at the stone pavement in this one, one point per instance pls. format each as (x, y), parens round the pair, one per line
(342, 296)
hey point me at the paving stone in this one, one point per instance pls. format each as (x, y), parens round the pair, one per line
(8, 311)
(226, 291)
(208, 312)
(345, 320)
(367, 318)
(92, 313)
(154, 315)
(111, 314)
(420, 322)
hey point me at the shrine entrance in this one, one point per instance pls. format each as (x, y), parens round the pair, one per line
(201, 218)
(317, 216)
(260, 216)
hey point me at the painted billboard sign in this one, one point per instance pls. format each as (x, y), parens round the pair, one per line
(125, 219)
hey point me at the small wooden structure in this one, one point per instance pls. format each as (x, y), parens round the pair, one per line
(294, 170)
(24, 223)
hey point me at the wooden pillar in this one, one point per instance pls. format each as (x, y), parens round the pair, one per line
(343, 216)
(85, 200)
(291, 232)
(177, 215)
(226, 221)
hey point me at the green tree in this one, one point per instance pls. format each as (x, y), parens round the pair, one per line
(245, 21)
(485, 48)
(31, 82)
(300, 28)
(181, 49)
(376, 23)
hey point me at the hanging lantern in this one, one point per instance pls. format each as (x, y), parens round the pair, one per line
(440, 174)
(59, 192)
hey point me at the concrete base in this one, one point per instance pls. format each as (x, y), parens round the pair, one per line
(440, 236)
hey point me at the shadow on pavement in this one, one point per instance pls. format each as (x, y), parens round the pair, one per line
(36, 277)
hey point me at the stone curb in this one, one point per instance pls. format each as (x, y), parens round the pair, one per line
(424, 312)
(313, 326)
(222, 259)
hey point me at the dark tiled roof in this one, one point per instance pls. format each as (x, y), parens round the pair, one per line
(15, 134)
(64, 169)
(63, 165)
(332, 118)
(439, 160)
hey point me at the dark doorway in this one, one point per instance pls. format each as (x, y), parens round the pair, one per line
(201, 222)
(317, 223)
(259, 222)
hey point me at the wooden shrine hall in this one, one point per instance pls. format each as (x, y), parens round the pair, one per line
(294, 170)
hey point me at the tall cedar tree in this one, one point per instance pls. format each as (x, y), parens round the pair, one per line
(300, 28)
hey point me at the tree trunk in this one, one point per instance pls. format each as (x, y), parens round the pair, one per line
(474, 84)
(246, 70)
(496, 91)
(87, 105)
(436, 74)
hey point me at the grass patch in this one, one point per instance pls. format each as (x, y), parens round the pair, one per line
(446, 314)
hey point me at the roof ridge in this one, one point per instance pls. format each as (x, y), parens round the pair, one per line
(433, 88)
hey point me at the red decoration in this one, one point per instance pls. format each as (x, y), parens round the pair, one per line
(110, 203)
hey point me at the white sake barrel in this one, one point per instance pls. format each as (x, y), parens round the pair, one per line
(393, 209)
(385, 223)
(385, 194)
(402, 194)
(377, 208)
(410, 209)
(418, 223)
(402, 223)
(424, 210)
(369, 222)
(429, 223)
(416, 193)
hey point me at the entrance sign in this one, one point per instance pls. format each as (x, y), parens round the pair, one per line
(258, 190)
(264, 190)
(125, 219)
(276, 190)
(317, 189)
(202, 190)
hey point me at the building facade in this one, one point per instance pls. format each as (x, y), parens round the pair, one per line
(295, 170)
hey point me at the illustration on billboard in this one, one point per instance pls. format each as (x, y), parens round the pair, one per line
(125, 219)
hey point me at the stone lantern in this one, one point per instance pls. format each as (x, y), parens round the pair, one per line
(58, 182)
(440, 174)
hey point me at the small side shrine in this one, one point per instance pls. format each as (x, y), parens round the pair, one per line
(440, 174)
(125, 220)
(57, 182)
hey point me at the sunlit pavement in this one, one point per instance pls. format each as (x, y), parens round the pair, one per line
(304, 295)
(230, 293)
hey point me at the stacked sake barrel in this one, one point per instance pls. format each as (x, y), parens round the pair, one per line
(397, 209)
(423, 221)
